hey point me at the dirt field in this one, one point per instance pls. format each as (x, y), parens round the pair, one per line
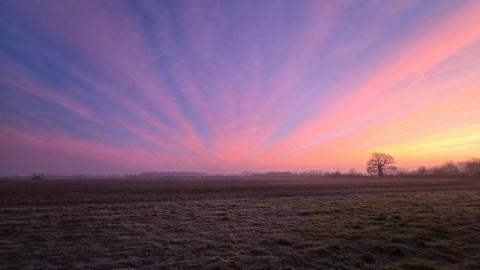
(240, 224)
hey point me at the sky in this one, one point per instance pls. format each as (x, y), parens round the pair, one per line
(100, 87)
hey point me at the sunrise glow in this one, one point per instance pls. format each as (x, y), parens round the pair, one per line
(229, 86)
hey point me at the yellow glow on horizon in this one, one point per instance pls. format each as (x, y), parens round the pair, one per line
(458, 142)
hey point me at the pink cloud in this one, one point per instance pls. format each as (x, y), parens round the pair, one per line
(426, 49)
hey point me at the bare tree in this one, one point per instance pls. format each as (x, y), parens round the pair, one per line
(380, 164)
(422, 171)
(472, 167)
(353, 172)
(447, 169)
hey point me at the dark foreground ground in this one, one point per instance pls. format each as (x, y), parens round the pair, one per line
(240, 224)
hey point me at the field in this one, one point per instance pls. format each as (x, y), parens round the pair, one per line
(240, 224)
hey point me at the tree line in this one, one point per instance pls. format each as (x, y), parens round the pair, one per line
(381, 164)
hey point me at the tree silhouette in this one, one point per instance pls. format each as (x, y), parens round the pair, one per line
(472, 167)
(380, 164)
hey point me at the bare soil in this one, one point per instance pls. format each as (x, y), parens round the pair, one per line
(240, 224)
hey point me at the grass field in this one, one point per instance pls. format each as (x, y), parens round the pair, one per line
(240, 224)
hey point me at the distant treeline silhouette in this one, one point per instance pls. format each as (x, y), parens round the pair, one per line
(469, 167)
(466, 168)
(312, 173)
(379, 165)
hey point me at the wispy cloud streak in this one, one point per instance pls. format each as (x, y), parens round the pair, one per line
(230, 86)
